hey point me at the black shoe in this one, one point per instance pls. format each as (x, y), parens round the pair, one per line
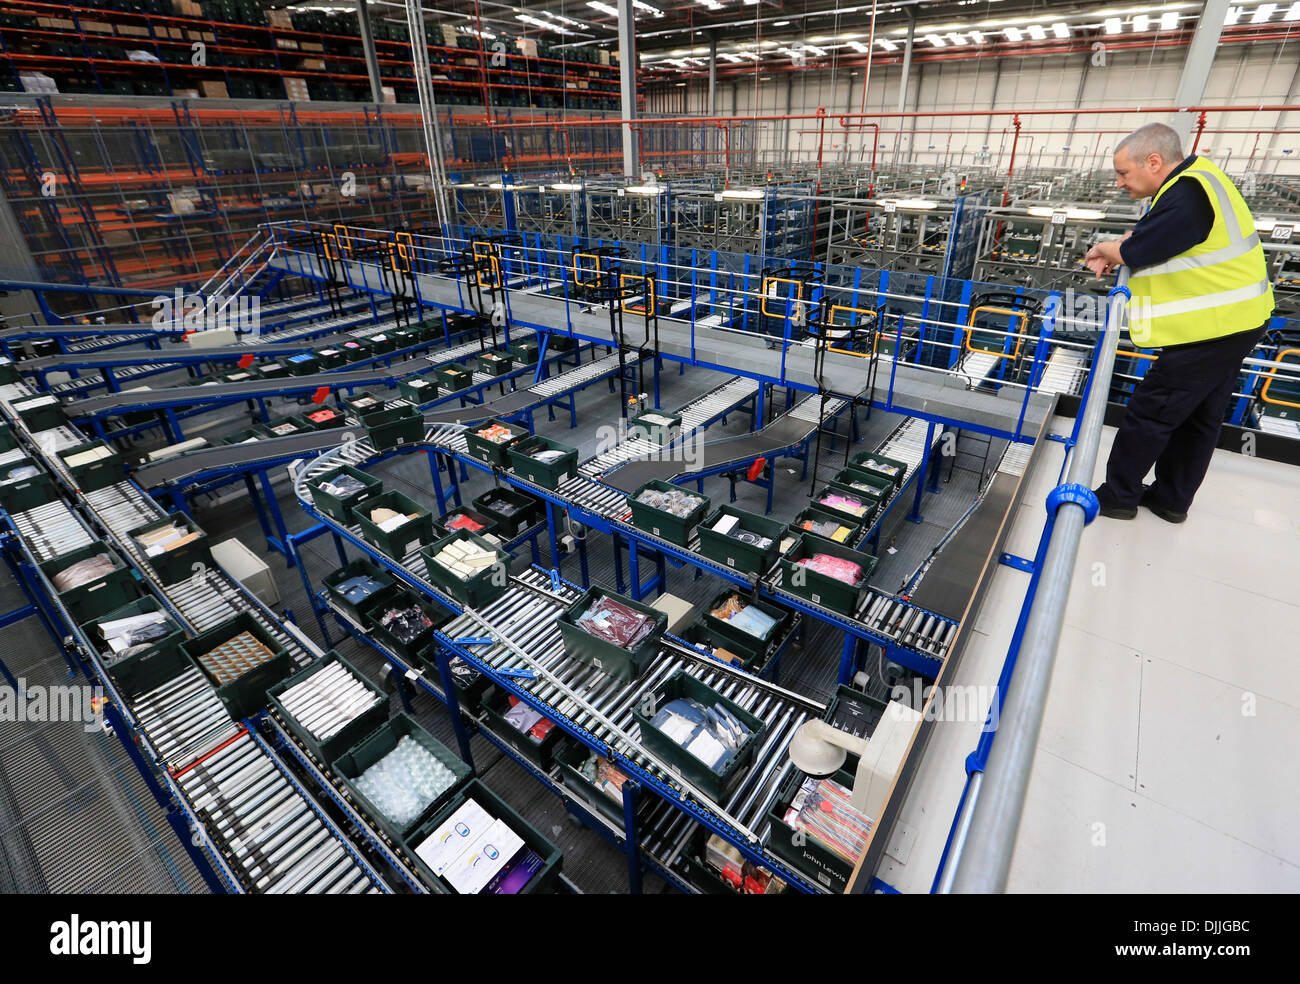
(1160, 509)
(1112, 511)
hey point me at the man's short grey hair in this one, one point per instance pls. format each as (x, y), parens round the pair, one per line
(1154, 138)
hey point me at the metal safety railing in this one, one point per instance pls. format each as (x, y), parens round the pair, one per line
(986, 827)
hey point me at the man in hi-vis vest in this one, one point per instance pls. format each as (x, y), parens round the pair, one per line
(1201, 295)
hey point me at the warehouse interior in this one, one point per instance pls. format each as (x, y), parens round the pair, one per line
(628, 447)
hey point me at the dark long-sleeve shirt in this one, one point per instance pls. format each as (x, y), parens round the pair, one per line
(1180, 220)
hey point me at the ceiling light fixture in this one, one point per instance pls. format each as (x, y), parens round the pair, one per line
(1141, 23)
(1294, 13)
(1037, 32)
(1060, 30)
(1113, 25)
(935, 40)
(1013, 34)
(1263, 12)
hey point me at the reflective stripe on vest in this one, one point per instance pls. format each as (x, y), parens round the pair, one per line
(1218, 287)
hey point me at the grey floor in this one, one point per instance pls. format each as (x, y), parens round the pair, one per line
(75, 815)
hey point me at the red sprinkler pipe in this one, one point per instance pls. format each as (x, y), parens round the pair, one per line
(1200, 129)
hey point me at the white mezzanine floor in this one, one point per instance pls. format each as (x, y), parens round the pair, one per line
(1147, 729)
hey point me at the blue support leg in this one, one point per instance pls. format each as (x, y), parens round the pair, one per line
(443, 658)
(631, 797)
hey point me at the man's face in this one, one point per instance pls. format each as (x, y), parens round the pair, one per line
(1139, 178)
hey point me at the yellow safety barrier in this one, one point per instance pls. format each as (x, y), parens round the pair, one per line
(343, 237)
(1136, 355)
(654, 298)
(1263, 393)
(970, 329)
(494, 265)
(577, 269)
(405, 250)
(851, 310)
(797, 295)
(331, 243)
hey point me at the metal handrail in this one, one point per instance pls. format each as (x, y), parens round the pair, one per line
(986, 831)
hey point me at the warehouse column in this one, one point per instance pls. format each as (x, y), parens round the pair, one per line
(1291, 94)
(907, 59)
(713, 75)
(627, 78)
(1196, 69)
(368, 46)
(902, 83)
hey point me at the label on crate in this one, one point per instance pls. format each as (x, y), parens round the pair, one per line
(731, 561)
(655, 530)
(816, 598)
(1282, 233)
(890, 206)
(1058, 218)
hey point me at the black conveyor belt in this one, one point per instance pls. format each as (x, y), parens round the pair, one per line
(114, 358)
(245, 388)
(516, 401)
(781, 433)
(170, 470)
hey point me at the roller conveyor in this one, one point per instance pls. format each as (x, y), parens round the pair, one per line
(182, 721)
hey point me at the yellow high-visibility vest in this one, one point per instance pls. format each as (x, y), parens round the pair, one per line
(1216, 288)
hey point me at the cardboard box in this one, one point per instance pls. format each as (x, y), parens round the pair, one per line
(97, 27)
(448, 36)
(312, 64)
(313, 46)
(116, 237)
(133, 30)
(37, 82)
(214, 90)
(288, 44)
(280, 19)
(527, 47)
(390, 94)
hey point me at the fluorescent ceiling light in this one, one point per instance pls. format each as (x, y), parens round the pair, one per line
(1265, 225)
(1042, 212)
(817, 52)
(956, 38)
(1232, 16)
(978, 36)
(914, 204)
(1141, 23)
(751, 55)
(859, 46)
(731, 58)
(935, 40)
(1060, 30)
(1294, 13)
(1013, 34)
(604, 8)
(1036, 31)
(1113, 25)
(1263, 12)
(647, 8)
(748, 194)
(566, 186)
(1169, 21)
(646, 189)
(884, 43)
(781, 24)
